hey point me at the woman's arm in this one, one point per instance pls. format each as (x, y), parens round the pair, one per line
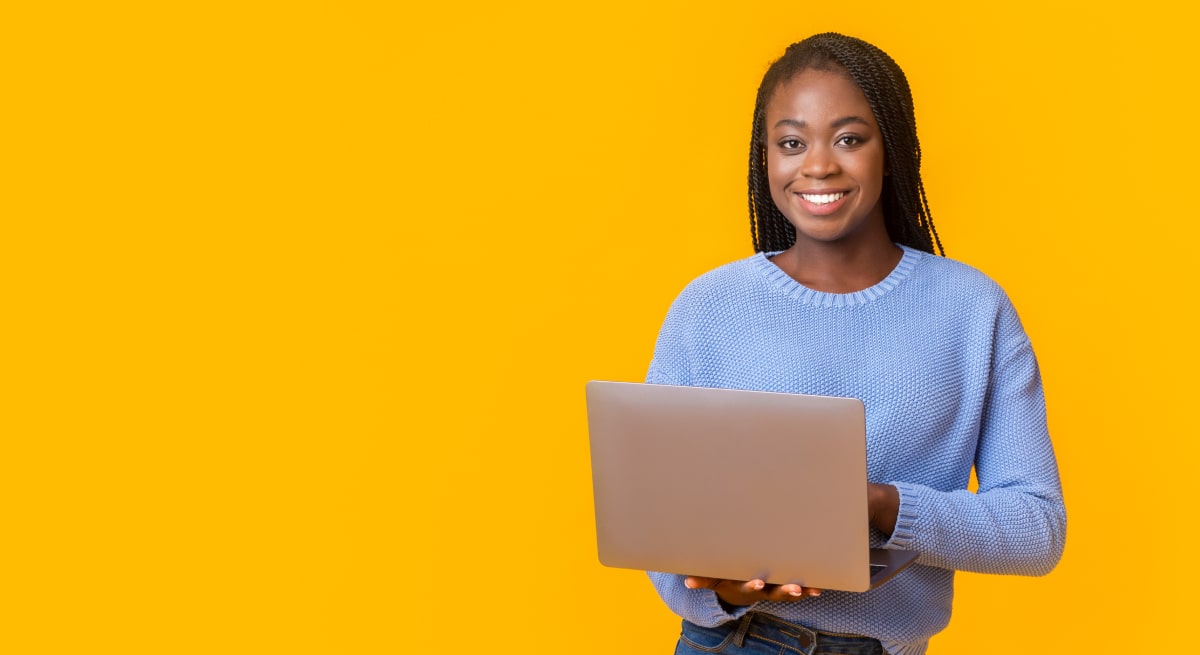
(1016, 522)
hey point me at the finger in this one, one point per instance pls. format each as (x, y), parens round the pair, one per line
(697, 582)
(792, 592)
(752, 587)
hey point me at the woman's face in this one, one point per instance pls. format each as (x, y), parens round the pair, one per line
(825, 158)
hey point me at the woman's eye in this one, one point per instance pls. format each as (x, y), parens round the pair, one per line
(849, 140)
(791, 144)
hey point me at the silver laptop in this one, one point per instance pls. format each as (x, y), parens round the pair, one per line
(734, 484)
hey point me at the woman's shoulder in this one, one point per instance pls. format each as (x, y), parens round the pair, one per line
(954, 278)
(952, 288)
(733, 277)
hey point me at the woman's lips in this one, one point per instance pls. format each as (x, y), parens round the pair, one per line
(822, 203)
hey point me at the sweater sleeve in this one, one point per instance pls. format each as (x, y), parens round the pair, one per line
(671, 366)
(1016, 522)
(699, 606)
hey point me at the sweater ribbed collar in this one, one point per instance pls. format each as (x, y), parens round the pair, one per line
(784, 282)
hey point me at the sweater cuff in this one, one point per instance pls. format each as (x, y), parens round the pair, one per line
(904, 537)
(720, 613)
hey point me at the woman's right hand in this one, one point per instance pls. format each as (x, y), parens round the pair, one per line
(737, 592)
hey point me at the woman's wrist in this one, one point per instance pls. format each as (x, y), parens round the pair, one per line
(729, 608)
(883, 506)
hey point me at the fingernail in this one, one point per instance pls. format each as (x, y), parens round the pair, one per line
(758, 585)
(814, 592)
(796, 593)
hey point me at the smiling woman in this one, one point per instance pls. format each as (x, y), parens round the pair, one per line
(825, 166)
(845, 297)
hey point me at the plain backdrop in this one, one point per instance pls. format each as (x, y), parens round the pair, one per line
(299, 300)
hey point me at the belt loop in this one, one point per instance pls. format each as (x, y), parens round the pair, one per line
(807, 639)
(743, 627)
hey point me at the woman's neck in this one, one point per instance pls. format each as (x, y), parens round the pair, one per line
(839, 267)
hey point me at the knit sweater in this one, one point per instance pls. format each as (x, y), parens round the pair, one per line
(949, 380)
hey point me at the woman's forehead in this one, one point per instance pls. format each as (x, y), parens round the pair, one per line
(818, 93)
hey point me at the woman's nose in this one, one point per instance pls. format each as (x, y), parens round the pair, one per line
(819, 162)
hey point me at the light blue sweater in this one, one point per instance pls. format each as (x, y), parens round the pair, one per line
(938, 356)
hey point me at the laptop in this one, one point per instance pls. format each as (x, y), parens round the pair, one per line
(734, 484)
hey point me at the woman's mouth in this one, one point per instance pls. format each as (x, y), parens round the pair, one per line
(822, 204)
(822, 198)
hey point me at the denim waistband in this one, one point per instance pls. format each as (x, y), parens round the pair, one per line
(782, 636)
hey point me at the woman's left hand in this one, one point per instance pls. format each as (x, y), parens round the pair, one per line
(736, 592)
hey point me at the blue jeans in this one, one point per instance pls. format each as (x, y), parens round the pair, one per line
(763, 634)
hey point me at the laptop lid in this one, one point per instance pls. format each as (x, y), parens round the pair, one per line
(733, 484)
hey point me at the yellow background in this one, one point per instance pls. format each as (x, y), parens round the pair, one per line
(299, 300)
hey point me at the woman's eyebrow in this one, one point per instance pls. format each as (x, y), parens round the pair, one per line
(841, 122)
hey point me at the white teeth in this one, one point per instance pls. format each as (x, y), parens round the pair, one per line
(821, 198)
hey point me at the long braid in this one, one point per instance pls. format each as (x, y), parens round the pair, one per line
(769, 228)
(756, 201)
(905, 206)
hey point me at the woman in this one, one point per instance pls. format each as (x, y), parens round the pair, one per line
(844, 297)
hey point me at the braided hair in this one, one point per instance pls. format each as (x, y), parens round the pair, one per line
(905, 209)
